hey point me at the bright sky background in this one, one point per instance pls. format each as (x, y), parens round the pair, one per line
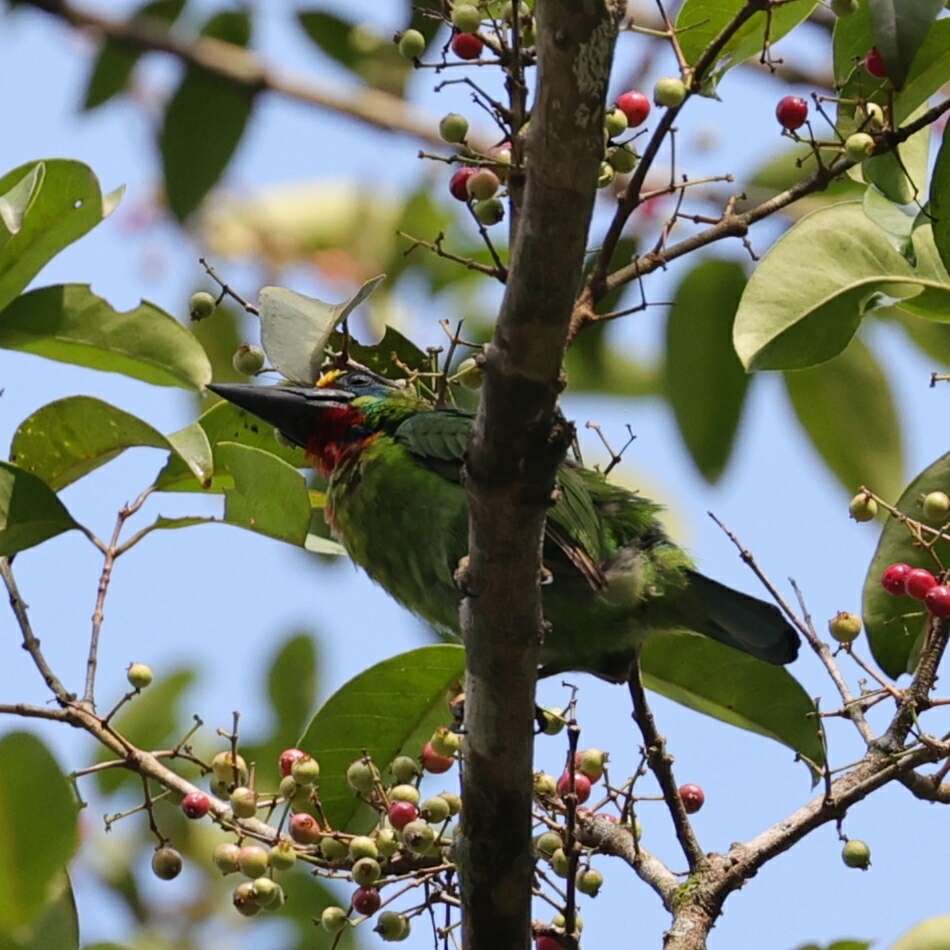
(221, 598)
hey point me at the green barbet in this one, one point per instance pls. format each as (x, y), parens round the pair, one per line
(396, 502)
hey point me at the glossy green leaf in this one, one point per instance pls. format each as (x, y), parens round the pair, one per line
(295, 329)
(292, 684)
(38, 827)
(224, 422)
(67, 205)
(269, 496)
(899, 28)
(893, 624)
(733, 687)
(901, 174)
(204, 122)
(149, 721)
(806, 298)
(700, 359)
(827, 401)
(68, 438)
(701, 21)
(940, 199)
(895, 220)
(30, 511)
(56, 927)
(931, 302)
(115, 62)
(391, 708)
(932, 339)
(16, 202)
(382, 357)
(71, 324)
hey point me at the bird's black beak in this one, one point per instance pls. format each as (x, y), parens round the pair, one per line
(294, 410)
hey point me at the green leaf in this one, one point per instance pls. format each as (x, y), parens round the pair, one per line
(940, 199)
(71, 324)
(391, 708)
(893, 624)
(901, 174)
(700, 360)
(932, 339)
(806, 298)
(292, 684)
(68, 438)
(931, 302)
(895, 220)
(295, 329)
(828, 399)
(358, 48)
(151, 720)
(15, 203)
(55, 928)
(204, 122)
(931, 934)
(701, 21)
(224, 422)
(30, 512)
(68, 204)
(269, 496)
(731, 686)
(382, 357)
(899, 28)
(38, 827)
(114, 65)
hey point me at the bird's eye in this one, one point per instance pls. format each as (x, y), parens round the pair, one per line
(359, 381)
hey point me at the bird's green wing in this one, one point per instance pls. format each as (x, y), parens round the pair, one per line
(440, 435)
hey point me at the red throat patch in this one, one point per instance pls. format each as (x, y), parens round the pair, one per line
(333, 438)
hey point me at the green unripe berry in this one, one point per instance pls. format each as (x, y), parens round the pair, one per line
(453, 128)
(589, 882)
(288, 788)
(225, 857)
(489, 212)
(558, 921)
(592, 762)
(470, 374)
(606, 175)
(553, 721)
(333, 849)
(166, 864)
(870, 116)
(453, 801)
(265, 890)
(444, 741)
(253, 860)
(844, 627)
(466, 18)
(244, 898)
(435, 810)
(418, 836)
(404, 768)
(243, 802)
(366, 872)
(844, 7)
(545, 785)
(333, 919)
(858, 147)
(248, 359)
(363, 847)
(548, 843)
(139, 675)
(669, 92)
(622, 159)
(404, 793)
(484, 184)
(283, 856)
(863, 507)
(391, 926)
(412, 44)
(226, 766)
(387, 842)
(615, 122)
(560, 862)
(201, 305)
(305, 771)
(359, 776)
(936, 506)
(856, 854)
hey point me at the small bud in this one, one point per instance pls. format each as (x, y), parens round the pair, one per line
(139, 675)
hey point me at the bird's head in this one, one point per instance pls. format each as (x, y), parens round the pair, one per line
(335, 417)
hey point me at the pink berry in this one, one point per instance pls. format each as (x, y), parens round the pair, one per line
(791, 112)
(874, 63)
(546, 943)
(918, 582)
(467, 45)
(692, 797)
(892, 580)
(366, 901)
(582, 786)
(304, 828)
(635, 106)
(937, 601)
(195, 805)
(287, 759)
(433, 762)
(401, 813)
(458, 183)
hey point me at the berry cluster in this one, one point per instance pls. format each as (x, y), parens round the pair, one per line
(902, 580)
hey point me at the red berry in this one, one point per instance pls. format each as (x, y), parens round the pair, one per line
(547, 943)
(458, 183)
(433, 762)
(581, 786)
(918, 582)
(635, 106)
(692, 797)
(366, 901)
(937, 601)
(401, 813)
(892, 580)
(287, 759)
(791, 112)
(304, 828)
(195, 805)
(874, 63)
(467, 45)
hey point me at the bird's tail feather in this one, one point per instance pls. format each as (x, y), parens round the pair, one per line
(739, 620)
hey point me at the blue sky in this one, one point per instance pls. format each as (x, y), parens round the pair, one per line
(221, 599)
